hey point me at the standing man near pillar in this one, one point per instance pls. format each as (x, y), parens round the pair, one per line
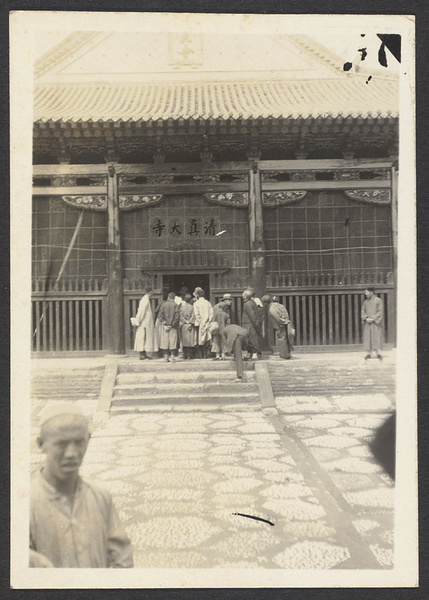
(372, 319)
(251, 321)
(279, 319)
(144, 339)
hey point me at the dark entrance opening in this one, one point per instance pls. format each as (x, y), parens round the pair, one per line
(174, 283)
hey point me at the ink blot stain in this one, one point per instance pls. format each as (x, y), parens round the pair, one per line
(363, 53)
(393, 43)
(347, 66)
(382, 58)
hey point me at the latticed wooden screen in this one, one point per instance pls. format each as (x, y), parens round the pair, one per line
(328, 233)
(53, 226)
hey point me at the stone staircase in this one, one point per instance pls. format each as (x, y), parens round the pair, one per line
(295, 378)
(73, 384)
(198, 384)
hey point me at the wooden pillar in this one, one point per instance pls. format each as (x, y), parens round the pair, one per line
(394, 207)
(115, 294)
(256, 233)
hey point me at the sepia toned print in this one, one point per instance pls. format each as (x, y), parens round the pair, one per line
(214, 286)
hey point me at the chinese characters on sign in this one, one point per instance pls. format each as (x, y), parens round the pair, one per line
(185, 228)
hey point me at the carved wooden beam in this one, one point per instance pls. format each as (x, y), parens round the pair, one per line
(370, 196)
(273, 199)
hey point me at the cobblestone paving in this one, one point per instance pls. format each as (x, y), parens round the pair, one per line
(179, 481)
(331, 432)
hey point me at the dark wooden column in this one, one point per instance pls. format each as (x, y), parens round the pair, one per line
(256, 231)
(115, 295)
(394, 205)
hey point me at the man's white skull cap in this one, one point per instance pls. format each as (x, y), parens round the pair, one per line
(59, 409)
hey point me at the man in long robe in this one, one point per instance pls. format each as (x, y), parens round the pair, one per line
(372, 320)
(144, 338)
(203, 311)
(169, 317)
(73, 522)
(279, 319)
(221, 317)
(187, 328)
(227, 299)
(251, 321)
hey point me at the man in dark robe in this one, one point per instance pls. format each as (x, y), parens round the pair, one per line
(221, 317)
(251, 321)
(187, 328)
(169, 317)
(279, 319)
(372, 320)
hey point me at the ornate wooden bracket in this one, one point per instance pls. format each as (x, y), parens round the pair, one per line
(237, 199)
(126, 202)
(135, 201)
(371, 196)
(273, 199)
(87, 202)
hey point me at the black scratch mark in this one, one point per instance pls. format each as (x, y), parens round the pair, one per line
(346, 221)
(369, 79)
(254, 518)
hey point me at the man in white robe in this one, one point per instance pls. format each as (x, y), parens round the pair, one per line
(203, 312)
(144, 338)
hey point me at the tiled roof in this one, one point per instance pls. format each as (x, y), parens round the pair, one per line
(343, 96)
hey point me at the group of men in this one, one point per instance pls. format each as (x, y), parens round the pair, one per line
(191, 323)
(73, 522)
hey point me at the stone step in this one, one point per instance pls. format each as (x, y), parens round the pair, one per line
(331, 383)
(188, 366)
(211, 388)
(327, 392)
(69, 384)
(60, 395)
(180, 376)
(186, 407)
(162, 398)
(65, 388)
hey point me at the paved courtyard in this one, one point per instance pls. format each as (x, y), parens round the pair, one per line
(234, 487)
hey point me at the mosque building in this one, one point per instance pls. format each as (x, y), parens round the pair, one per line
(181, 160)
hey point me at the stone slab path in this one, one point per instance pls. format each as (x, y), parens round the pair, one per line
(188, 481)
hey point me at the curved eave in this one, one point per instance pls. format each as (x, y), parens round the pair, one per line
(94, 103)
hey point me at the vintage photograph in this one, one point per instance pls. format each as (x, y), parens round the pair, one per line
(213, 211)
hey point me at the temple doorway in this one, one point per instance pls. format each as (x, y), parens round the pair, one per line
(175, 283)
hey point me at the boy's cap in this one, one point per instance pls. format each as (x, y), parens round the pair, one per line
(58, 409)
